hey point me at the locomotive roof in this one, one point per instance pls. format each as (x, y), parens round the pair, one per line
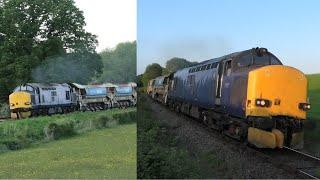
(80, 86)
(228, 56)
(232, 55)
(46, 85)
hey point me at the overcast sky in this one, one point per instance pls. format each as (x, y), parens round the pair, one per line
(113, 21)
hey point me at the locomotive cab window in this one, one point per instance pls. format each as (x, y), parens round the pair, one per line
(242, 62)
(262, 60)
(266, 59)
(274, 60)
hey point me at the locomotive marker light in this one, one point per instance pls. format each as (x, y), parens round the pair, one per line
(304, 106)
(263, 102)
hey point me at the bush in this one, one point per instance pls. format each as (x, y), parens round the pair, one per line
(142, 90)
(126, 118)
(21, 133)
(55, 131)
(4, 111)
(158, 153)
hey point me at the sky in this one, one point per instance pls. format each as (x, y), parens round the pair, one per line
(203, 29)
(113, 21)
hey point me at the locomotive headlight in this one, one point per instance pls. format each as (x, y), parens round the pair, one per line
(263, 102)
(304, 106)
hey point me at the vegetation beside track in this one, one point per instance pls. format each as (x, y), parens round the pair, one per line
(162, 155)
(100, 154)
(312, 128)
(18, 134)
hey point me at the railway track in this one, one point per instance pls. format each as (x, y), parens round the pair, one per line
(311, 170)
(301, 164)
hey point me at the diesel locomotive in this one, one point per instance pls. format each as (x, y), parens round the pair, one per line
(150, 86)
(160, 87)
(126, 95)
(94, 97)
(248, 95)
(33, 99)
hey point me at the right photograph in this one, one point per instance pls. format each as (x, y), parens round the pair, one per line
(228, 89)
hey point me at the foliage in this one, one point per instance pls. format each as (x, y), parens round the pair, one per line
(72, 67)
(18, 134)
(152, 71)
(314, 95)
(176, 63)
(101, 154)
(158, 154)
(4, 110)
(312, 124)
(119, 63)
(139, 80)
(35, 31)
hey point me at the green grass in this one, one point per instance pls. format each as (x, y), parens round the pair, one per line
(314, 95)
(108, 153)
(312, 125)
(17, 134)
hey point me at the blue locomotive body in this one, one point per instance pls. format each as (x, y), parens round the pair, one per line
(249, 95)
(197, 86)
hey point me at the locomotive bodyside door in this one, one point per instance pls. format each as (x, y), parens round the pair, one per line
(223, 82)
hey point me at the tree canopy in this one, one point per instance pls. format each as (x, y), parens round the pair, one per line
(176, 63)
(35, 34)
(119, 63)
(152, 71)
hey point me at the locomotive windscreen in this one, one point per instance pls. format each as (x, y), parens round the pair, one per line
(124, 89)
(96, 91)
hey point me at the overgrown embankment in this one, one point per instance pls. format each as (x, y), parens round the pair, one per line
(172, 145)
(312, 125)
(158, 153)
(18, 134)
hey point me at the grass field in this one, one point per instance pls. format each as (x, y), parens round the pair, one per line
(108, 153)
(17, 134)
(312, 128)
(314, 95)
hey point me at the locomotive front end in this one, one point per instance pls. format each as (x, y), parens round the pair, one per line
(276, 106)
(20, 104)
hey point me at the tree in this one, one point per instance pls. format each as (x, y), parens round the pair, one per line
(69, 68)
(152, 71)
(34, 32)
(119, 63)
(139, 80)
(176, 63)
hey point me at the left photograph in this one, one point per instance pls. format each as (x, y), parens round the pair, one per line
(68, 89)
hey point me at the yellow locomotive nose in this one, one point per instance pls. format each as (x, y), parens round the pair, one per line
(277, 90)
(20, 104)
